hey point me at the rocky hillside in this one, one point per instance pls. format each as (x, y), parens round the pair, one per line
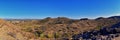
(9, 31)
(60, 28)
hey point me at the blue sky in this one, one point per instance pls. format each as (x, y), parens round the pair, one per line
(58, 8)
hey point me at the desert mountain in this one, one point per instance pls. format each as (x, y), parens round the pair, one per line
(60, 28)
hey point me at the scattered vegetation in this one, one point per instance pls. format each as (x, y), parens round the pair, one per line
(61, 27)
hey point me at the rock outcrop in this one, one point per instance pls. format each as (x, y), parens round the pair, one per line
(105, 33)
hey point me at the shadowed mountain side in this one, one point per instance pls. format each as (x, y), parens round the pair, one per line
(105, 33)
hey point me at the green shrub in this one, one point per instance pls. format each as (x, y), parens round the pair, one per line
(42, 36)
(98, 27)
(38, 33)
(56, 35)
(50, 36)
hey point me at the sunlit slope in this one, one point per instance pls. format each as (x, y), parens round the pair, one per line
(10, 32)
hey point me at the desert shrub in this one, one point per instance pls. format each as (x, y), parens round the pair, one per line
(27, 29)
(98, 27)
(43, 36)
(66, 35)
(56, 35)
(50, 35)
(37, 34)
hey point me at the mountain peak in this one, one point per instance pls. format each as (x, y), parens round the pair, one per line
(115, 17)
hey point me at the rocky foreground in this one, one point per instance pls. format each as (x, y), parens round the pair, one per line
(105, 33)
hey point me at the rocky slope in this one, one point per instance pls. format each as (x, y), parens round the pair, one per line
(11, 32)
(105, 33)
(60, 28)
